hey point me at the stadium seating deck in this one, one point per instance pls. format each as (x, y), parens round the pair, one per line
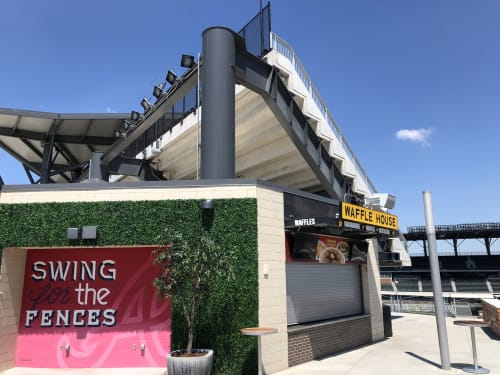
(495, 284)
(446, 285)
(471, 284)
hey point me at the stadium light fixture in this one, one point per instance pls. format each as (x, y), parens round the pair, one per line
(187, 61)
(135, 116)
(145, 104)
(171, 77)
(158, 90)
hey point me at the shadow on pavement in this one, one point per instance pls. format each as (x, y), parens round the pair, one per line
(491, 334)
(424, 359)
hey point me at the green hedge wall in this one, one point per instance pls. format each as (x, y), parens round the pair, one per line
(230, 306)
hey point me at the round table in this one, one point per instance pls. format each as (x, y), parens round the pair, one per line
(476, 369)
(259, 332)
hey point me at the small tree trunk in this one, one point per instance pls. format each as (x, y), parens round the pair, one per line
(191, 324)
(190, 339)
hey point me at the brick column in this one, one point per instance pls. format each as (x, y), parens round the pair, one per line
(372, 298)
(272, 279)
(11, 290)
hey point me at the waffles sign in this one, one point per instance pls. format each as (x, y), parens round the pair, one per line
(358, 214)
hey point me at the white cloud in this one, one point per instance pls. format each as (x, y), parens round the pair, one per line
(415, 135)
(110, 110)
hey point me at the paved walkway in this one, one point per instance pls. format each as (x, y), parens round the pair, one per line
(414, 350)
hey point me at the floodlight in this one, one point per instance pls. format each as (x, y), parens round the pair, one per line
(145, 104)
(158, 90)
(187, 61)
(117, 134)
(171, 77)
(125, 125)
(135, 116)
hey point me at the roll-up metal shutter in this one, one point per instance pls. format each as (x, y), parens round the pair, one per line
(322, 291)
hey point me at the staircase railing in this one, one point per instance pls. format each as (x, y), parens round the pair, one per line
(286, 50)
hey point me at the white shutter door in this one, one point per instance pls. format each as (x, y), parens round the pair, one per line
(322, 291)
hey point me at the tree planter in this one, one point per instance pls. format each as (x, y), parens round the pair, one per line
(194, 365)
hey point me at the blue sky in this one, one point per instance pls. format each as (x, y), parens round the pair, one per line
(414, 85)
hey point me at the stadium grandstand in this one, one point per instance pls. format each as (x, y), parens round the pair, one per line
(469, 263)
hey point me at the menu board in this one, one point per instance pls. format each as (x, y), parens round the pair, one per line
(322, 248)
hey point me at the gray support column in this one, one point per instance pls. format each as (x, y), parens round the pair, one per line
(487, 243)
(47, 161)
(217, 100)
(97, 173)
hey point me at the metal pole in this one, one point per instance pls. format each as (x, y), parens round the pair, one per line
(436, 282)
(198, 109)
(261, 30)
(259, 354)
(474, 352)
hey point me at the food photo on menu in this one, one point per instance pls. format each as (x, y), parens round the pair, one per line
(328, 249)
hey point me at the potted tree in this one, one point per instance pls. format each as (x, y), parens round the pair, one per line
(188, 266)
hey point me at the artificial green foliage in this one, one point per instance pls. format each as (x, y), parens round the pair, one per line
(227, 306)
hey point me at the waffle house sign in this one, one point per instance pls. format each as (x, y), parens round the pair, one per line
(362, 215)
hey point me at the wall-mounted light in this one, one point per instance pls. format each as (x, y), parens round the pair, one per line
(73, 233)
(207, 204)
(187, 61)
(171, 77)
(89, 232)
(145, 104)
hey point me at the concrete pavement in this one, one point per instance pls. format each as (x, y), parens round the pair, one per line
(413, 350)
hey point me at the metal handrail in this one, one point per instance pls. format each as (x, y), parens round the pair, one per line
(286, 50)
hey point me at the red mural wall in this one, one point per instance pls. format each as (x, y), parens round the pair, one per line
(92, 307)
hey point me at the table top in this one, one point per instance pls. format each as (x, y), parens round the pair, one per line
(471, 323)
(258, 331)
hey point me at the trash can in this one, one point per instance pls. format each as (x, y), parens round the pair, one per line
(386, 311)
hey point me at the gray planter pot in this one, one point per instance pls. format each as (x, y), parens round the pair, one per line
(201, 365)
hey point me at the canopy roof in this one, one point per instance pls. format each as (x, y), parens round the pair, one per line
(75, 136)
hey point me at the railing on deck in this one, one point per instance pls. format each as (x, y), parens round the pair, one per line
(284, 49)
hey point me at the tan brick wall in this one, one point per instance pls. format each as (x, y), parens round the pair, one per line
(160, 193)
(272, 279)
(11, 289)
(372, 298)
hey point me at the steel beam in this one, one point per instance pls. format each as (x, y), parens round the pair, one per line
(264, 79)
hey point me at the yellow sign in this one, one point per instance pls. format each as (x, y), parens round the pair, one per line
(363, 215)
